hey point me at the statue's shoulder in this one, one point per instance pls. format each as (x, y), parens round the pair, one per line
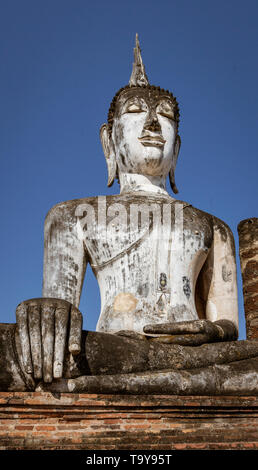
(66, 212)
(218, 225)
(221, 226)
(68, 208)
(195, 213)
(225, 233)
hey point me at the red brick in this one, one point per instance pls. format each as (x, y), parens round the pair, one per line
(180, 446)
(127, 422)
(135, 426)
(25, 427)
(112, 421)
(45, 428)
(250, 445)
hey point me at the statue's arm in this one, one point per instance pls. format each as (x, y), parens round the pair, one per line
(65, 257)
(46, 324)
(220, 281)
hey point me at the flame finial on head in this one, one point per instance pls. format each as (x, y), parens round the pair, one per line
(138, 77)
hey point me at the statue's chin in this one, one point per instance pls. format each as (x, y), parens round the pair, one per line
(153, 164)
(144, 160)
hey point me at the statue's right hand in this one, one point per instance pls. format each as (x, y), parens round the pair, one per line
(43, 325)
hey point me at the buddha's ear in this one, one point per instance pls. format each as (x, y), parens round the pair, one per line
(108, 149)
(173, 167)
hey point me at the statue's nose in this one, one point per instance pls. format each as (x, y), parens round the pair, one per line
(152, 123)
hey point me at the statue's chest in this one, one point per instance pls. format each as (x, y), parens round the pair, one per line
(145, 237)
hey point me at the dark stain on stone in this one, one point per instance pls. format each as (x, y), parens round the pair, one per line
(186, 286)
(162, 280)
(122, 159)
(223, 232)
(226, 275)
(143, 290)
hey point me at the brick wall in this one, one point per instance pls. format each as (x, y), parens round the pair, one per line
(31, 420)
(248, 252)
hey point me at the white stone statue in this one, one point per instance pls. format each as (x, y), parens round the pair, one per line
(166, 270)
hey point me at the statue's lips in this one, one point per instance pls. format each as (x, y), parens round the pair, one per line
(152, 141)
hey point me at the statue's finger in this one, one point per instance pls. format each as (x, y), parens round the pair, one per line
(184, 340)
(67, 385)
(183, 327)
(22, 323)
(84, 383)
(74, 345)
(131, 334)
(61, 322)
(35, 338)
(48, 337)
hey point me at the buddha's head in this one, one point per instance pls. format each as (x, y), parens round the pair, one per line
(141, 136)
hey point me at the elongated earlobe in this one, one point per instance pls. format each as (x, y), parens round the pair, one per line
(109, 153)
(172, 181)
(172, 171)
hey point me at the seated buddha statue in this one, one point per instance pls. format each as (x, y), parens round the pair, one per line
(166, 272)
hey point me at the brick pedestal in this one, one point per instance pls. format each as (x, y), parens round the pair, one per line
(40, 420)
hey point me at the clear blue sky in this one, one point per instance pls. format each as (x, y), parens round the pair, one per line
(61, 63)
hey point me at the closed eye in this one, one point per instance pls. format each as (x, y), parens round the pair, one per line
(134, 109)
(167, 115)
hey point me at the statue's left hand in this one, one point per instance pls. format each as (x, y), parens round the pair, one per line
(45, 326)
(192, 333)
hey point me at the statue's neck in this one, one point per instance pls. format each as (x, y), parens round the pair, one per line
(132, 182)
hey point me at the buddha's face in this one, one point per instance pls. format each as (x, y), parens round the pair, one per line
(144, 132)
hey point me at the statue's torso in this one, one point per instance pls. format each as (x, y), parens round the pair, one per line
(146, 275)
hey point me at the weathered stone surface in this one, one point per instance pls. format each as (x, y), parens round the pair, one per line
(248, 251)
(141, 366)
(239, 378)
(12, 372)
